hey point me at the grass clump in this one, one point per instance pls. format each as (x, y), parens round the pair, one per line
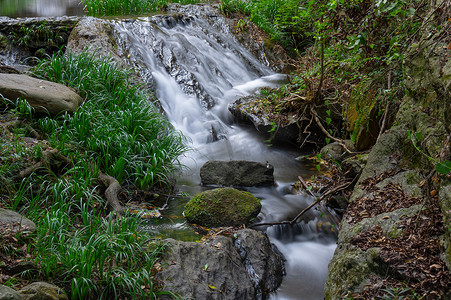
(100, 8)
(78, 244)
(117, 129)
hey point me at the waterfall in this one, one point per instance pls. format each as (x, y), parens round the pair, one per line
(198, 68)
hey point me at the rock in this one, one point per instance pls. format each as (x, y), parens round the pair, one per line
(335, 152)
(44, 96)
(237, 173)
(222, 207)
(15, 221)
(7, 293)
(286, 133)
(261, 259)
(355, 164)
(219, 270)
(43, 291)
(95, 36)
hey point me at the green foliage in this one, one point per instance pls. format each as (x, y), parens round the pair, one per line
(117, 128)
(100, 8)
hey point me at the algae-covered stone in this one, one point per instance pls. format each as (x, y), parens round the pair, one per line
(222, 207)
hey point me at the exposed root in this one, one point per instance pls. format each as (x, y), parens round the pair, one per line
(113, 189)
(47, 157)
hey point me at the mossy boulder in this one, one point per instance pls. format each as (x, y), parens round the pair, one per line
(222, 207)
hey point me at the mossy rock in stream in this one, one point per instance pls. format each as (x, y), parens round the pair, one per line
(222, 207)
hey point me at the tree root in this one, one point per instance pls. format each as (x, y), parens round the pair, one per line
(113, 186)
(113, 189)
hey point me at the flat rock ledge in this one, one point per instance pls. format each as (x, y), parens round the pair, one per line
(237, 173)
(46, 97)
(246, 266)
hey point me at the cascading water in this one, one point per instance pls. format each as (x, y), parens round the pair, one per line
(198, 68)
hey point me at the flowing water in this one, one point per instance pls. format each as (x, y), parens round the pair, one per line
(198, 69)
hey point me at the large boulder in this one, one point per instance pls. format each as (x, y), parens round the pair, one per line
(14, 221)
(244, 267)
(45, 96)
(222, 207)
(237, 173)
(43, 291)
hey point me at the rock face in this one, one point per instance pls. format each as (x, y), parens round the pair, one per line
(222, 207)
(44, 96)
(237, 173)
(14, 221)
(396, 168)
(246, 267)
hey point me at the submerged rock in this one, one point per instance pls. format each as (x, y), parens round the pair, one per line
(237, 173)
(44, 96)
(245, 268)
(222, 207)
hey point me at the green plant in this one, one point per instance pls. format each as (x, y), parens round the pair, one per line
(117, 128)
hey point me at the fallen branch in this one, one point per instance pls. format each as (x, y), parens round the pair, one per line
(293, 221)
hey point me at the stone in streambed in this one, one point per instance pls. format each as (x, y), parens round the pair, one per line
(237, 173)
(222, 207)
(246, 266)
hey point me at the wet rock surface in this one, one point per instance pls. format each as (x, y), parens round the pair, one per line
(237, 173)
(286, 133)
(222, 270)
(44, 96)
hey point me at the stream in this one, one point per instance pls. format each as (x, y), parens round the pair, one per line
(198, 69)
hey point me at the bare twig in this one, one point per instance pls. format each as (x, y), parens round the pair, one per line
(340, 141)
(329, 192)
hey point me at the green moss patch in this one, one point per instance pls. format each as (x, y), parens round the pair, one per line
(222, 207)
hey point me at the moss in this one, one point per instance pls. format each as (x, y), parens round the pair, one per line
(222, 207)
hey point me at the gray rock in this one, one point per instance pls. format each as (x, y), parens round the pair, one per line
(44, 96)
(43, 291)
(15, 221)
(286, 133)
(237, 173)
(95, 36)
(7, 293)
(335, 152)
(261, 259)
(222, 207)
(217, 270)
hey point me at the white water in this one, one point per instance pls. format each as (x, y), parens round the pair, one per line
(198, 69)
